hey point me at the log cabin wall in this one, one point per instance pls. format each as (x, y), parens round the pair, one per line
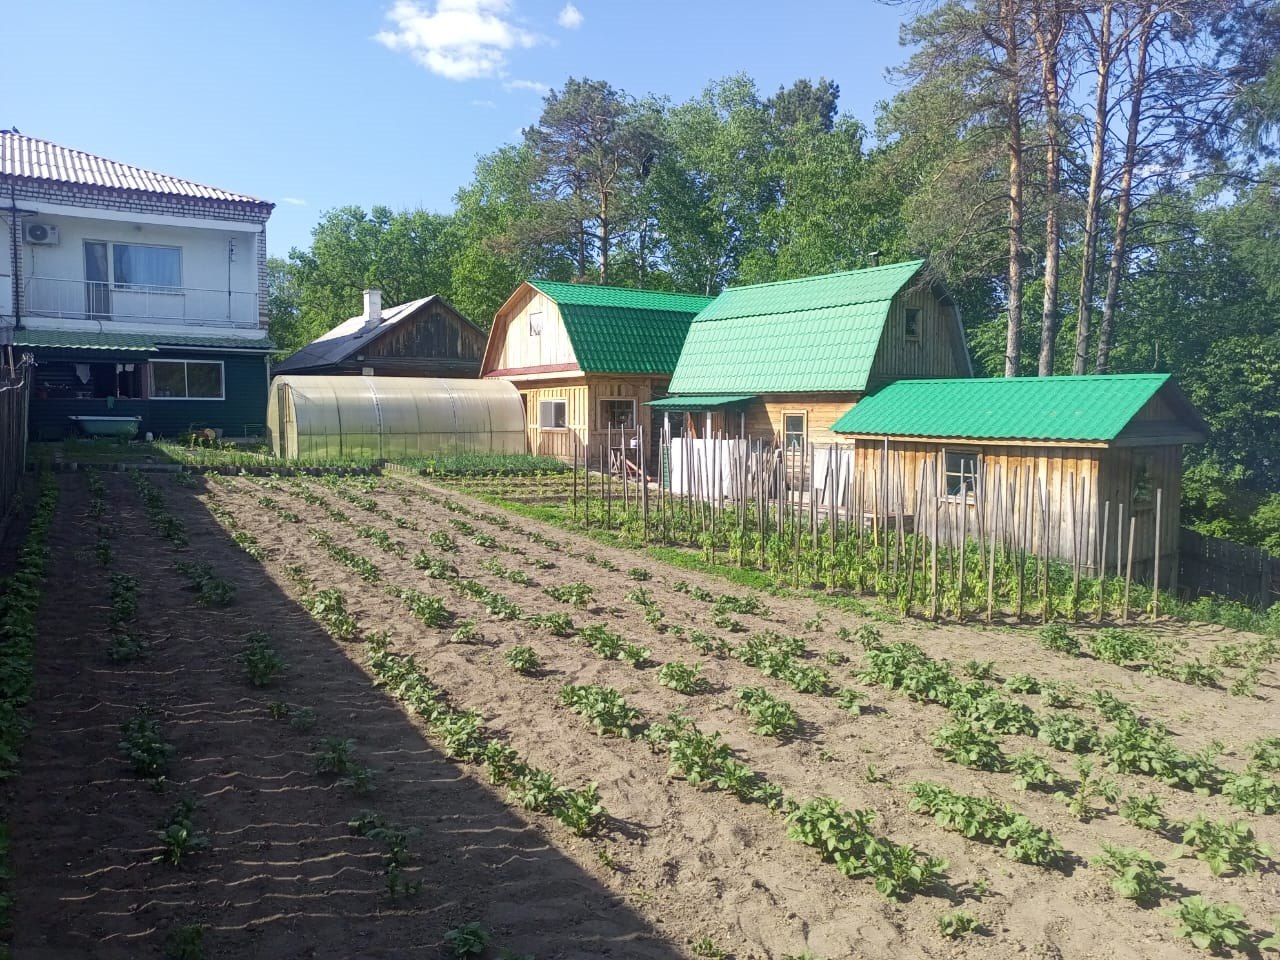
(764, 415)
(1132, 475)
(586, 406)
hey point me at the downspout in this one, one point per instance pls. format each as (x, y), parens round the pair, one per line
(14, 236)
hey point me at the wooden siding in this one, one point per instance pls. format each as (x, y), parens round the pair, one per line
(434, 334)
(513, 347)
(765, 414)
(937, 352)
(585, 418)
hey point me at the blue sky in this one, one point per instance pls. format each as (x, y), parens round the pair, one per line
(313, 105)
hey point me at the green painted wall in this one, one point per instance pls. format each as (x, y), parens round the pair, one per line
(245, 388)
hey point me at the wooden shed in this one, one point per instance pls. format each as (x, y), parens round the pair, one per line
(1074, 464)
(585, 358)
(782, 361)
(422, 338)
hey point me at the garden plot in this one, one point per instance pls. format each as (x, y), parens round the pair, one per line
(208, 773)
(474, 589)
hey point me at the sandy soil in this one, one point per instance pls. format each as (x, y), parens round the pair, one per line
(284, 877)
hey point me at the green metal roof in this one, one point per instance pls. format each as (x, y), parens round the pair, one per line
(700, 403)
(815, 334)
(1083, 409)
(623, 330)
(139, 342)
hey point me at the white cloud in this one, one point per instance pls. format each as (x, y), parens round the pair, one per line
(534, 85)
(484, 104)
(294, 201)
(570, 17)
(457, 39)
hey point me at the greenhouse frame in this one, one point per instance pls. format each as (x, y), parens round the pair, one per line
(319, 417)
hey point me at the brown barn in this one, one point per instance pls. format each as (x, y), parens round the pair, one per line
(422, 338)
(1072, 463)
(585, 358)
(782, 361)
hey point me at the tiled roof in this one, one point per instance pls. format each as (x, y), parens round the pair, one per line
(142, 342)
(623, 330)
(815, 334)
(23, 156)
(1082, 409)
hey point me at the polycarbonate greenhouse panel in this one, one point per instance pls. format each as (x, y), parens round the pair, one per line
(392, 417)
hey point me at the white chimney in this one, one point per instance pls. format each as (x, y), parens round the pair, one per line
(372, 308)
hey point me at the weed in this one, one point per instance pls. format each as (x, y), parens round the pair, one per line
(1091, 788)
(706, 947)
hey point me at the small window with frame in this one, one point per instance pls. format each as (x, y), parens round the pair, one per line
(553, 414)
(1143, 488)
(962, 474)
(911, 323)
(618, 413)
(794, 432)
(535, 324)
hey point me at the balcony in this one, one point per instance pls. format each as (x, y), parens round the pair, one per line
(94, 300)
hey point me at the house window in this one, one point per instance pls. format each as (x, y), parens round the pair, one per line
(793, 431)
(553, 414)
(186, 380)
(1143, 490)
(139, 265)
(962, 473)
(535, 324)
(912, 323)
(619, 414)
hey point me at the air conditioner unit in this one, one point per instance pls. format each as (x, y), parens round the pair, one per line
(40, 233)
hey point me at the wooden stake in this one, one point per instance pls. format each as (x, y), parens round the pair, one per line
(1155, 579)
(1102, 564)
(1128, 570)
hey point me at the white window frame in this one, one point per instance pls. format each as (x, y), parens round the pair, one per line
(151, 379)
(545, 423)
(966, 480)
(804, 429)
(122, 286)
(604, 411)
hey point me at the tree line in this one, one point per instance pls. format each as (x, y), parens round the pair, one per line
(1093, 179)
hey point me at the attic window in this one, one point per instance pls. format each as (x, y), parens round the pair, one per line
(911, 324)
(535, 324)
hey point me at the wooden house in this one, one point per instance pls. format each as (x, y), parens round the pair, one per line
(781, 361)
(422, 338)
(586, 358)
(1077, 465)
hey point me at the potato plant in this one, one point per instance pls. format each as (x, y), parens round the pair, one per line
(683, 678)
(770, 717)
(1135, 874)
(987, 821)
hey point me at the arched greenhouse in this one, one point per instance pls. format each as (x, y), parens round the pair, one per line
(387, 417)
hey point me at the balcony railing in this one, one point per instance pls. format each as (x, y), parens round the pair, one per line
(94, 300)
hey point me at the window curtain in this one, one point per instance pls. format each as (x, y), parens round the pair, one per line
(137, 265)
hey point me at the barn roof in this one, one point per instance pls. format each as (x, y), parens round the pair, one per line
(623, 330)
(349, 337)
(1081, 409)
(810, 335)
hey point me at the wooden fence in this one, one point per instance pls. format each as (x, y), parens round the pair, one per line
(15, 394)
(1209, 565)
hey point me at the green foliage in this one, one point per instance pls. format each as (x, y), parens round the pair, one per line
(844, 837)
(683, 678)
(850, 700)
(557, 624)
(143, 745)
(955, 924)
(468, 940)
(1056, 637)
(1135, 874)
(1118, 646)
(608, 712)
(1252, 792)
(523, 659)
(1227, 847)
(1211, 926)
(577, 593)
(987, 821)
(770, 717)
(970, 745)
(261, 664)
(185, 943)
(1145, 811)
(178, 835)
(1067, 731)
(1032, 771)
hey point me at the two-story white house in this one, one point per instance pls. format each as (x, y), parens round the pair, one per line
(138, 293)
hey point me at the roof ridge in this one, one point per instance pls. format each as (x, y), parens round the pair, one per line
(825, 276)
(230, 195)
(610, 286)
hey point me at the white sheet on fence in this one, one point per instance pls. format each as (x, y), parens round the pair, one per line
(696, 465)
